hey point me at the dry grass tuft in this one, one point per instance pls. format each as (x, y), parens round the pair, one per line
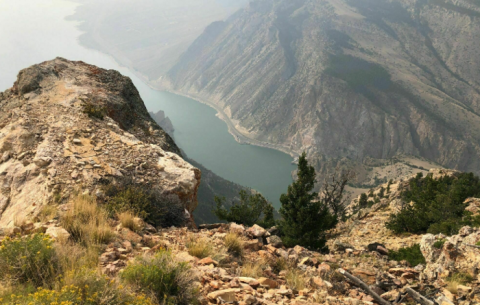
(87, 222)
(296, 279)
(234, 244)
(253, 269)
(456, 280)
(19, 221)
(202, 248)
(452, 286)
(48, 212)
(73, 257)
(129, 221)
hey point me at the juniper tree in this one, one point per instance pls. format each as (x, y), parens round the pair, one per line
(363, 201)
(305, 217)
(249, 210)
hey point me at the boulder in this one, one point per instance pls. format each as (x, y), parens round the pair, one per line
(275, 241)
(339, 246)
(374, 246)
(256, 231)
(473, 205)
(58, 233)
(239, 229)
(42, 161)
(226, 295)
(207, 261)
(268, 282)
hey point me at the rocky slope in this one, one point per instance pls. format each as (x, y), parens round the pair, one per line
(343, 79)
(266, 272)
(68, 127)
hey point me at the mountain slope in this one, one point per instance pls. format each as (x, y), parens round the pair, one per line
(147, 36)
(344, 78)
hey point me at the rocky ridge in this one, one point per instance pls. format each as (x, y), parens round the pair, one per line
(67, 126)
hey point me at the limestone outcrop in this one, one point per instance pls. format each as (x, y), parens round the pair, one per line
(68, 127)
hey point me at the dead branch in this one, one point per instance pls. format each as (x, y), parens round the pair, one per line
(473, 246)
(364, 286)
(333, 188)
(418, 297)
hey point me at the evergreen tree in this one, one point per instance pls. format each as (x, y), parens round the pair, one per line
(251, 209)
(363, 201)
(381, 194)
(305, 217)
(388, 185)
(438, 204)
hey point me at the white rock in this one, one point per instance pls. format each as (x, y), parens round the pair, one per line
(58, 233)
(256, 231)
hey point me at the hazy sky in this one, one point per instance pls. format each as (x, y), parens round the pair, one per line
(29, 37)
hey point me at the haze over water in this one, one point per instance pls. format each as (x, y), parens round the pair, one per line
(41, 33)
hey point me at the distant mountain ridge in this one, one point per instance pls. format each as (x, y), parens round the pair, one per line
(345, 79)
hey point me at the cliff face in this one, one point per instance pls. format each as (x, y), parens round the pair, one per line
(67, 126)
(346, 79)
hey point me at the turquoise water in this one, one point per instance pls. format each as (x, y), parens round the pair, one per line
(33, 32)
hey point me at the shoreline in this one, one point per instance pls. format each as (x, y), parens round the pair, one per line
(232, 130)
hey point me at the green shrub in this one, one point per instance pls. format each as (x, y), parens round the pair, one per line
(388, 185)
(439, 243)
(163, 278)
(438, 205)
(456, 280)
(363, 203)
(251, 209)
(165, 211)
(31, 259)
(461, 277)
(412, 254)
(278, 264)
(94, 111)
(202, 248)
(128, 199)
(109, 294)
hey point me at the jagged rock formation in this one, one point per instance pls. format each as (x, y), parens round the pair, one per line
(66, 126)
(163, 121)
(345, 78)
